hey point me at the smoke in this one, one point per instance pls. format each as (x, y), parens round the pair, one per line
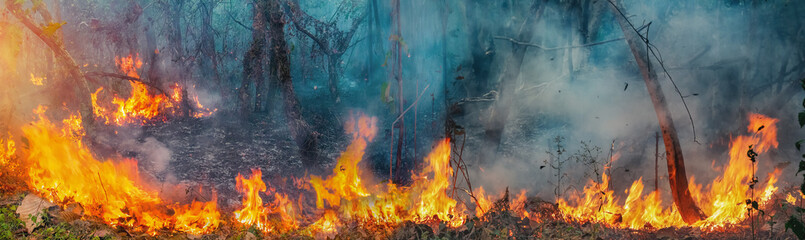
(151, 151)
(720, 55)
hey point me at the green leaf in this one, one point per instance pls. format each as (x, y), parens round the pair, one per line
(801, 167)
(801, 118)
(796, 226)
(51, 28)
(798, 144)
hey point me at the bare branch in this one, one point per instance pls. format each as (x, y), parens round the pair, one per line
(91, 75)
(515, 41)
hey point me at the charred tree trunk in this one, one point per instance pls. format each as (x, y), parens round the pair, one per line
(499, 112)
(673, 151)
(253, 59)
(280, 68)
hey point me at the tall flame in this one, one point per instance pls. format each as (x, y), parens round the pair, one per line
(254, 213)
(63, 171)
(425, 200)
(724, 203)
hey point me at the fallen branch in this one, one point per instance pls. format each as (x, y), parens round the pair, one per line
(515, 41)
(102, 187)
(91, 75)
(391, 156)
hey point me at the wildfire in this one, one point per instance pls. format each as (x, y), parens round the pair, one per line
(7, 150)
(485, 203)
(142, 105)
(64, 171)
(254, 213)
(327, 225)
(424, 201)
(724, 203)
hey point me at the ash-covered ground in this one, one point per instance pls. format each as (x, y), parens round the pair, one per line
(211, 152)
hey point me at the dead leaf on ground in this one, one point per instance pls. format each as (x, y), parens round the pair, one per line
(32, 205)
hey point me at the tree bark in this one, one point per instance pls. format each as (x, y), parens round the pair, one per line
(673, 151)
(253, 59)
(280, 68)
(209, 63)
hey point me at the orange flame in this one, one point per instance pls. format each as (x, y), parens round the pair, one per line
(64, 171)
(8, 150)
(142, 105)
(432, 195)
(255, 214)
(426, 200)
(724, 203)
(326, 226)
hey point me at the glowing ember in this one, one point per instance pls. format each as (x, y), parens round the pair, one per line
(790, 199)
(724, 203)
(64, 171)
(38, 81)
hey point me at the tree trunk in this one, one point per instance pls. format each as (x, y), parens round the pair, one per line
(332, 75)
(280, 68)
(253, 59)
(673, 151)
(499, 112)
(209, 63)
(397, 74)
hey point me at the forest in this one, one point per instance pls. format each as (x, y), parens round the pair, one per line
(402, 119)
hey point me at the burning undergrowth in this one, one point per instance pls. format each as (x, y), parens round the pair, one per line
(350, 203)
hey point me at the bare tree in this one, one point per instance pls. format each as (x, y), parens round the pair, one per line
(676, 163)
(280, 69)
(254, 59)
(333, 42)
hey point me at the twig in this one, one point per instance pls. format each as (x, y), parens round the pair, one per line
(239, 23)
(515, 41)
(658, 57)
(391, 154)
(90, 75)
(102, 187)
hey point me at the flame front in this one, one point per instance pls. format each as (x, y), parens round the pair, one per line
(723, 203)
(64, 171)
(254, 213)
(425, 200)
